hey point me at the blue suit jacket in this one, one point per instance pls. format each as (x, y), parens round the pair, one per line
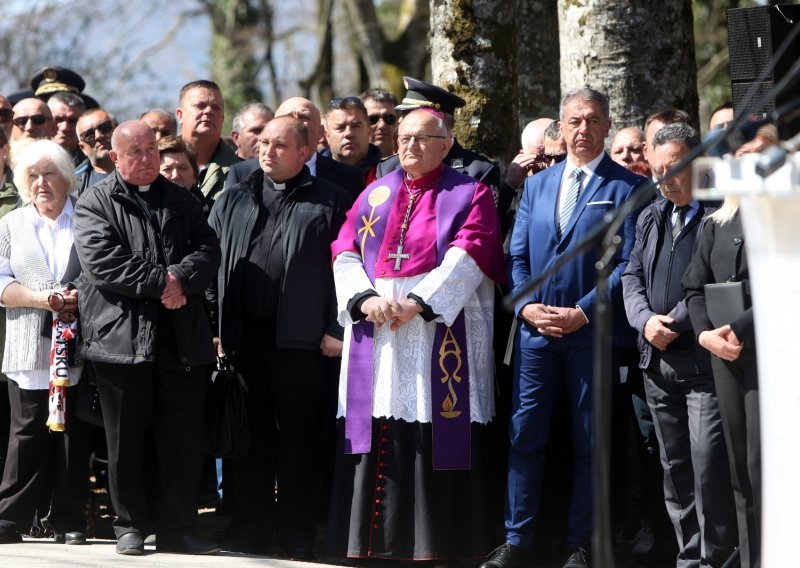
(535, 245)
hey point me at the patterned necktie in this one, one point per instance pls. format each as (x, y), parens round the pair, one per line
(680, 221)
(569, 203)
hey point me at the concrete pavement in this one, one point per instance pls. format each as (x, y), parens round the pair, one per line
(41, 553)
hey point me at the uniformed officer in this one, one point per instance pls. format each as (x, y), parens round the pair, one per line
(424, 95)
(52, 79)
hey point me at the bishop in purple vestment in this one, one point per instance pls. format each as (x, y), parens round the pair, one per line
(415, 266)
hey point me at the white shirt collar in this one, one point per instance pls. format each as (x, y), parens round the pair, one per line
(312, 163)
(66, 213)
(588, 168)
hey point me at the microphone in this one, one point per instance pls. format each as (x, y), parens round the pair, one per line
(723, 141)
(773, 158)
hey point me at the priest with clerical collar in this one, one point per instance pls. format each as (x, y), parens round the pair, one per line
(415, 265)
(277, 324)
(147, 256)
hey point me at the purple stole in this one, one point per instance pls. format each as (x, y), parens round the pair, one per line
(449, 368)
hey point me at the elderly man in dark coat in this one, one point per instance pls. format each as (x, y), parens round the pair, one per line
(147, 256)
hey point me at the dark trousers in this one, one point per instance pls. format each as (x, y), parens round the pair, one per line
(41, 461)
(158, 404)
(286, 407)
(5, 422)
(698, 495)
(737, 390)
(538, 379)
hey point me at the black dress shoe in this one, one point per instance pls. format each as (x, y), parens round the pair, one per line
(8, 536)
(74, 537)
(579, 558)
(130, 544)
(506, 556)
(185, 544)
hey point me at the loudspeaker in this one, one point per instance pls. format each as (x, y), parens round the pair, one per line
(754, 35)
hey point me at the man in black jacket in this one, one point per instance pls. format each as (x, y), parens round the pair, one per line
(678, 381)
(277, 322)
(319, 165)
(147, 256)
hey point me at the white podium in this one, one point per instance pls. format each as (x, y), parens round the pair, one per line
(770, 211)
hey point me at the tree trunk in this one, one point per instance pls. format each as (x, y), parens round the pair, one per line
(639, 53)
(385, 60)
(319, 83)
(233, 66)
(474, 54)
(538, 82)
(407, 54)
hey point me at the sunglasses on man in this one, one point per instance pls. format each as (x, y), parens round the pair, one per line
(389, 119)
(554, 157)
(88, 135)
(345, 103)
(37, 119)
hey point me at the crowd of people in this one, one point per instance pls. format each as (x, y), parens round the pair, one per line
(349, 265)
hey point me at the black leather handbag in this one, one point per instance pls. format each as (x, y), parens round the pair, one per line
(228, 433)
(87, 401)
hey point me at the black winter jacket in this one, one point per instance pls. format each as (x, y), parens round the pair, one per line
(637, 280)
(120, 288)
(720, 257)
(310, 219)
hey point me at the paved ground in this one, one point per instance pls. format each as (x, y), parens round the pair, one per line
(39, 553)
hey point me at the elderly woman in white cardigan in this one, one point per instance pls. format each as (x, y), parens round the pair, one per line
(37, 260)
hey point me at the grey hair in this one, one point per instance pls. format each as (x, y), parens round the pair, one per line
(70, 99)
(585, 94)
(379, 95)
(173, 121)
(32, 154)
(677, 132)
(257, 108)
(553, 132)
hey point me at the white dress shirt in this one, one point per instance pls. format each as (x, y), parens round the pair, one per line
(588, 170)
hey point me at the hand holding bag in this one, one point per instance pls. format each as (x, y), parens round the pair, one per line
(228, 428)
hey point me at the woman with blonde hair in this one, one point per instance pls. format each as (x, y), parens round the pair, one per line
(721, 258)
(48, 449)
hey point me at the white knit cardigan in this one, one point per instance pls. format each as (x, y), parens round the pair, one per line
(19, 243)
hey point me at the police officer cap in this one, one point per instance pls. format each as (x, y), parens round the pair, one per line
(420, 94)
(52, 79)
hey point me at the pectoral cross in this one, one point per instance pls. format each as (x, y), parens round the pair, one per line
(399, 257)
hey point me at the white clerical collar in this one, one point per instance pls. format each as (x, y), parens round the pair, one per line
(277, 186)
(143, 188)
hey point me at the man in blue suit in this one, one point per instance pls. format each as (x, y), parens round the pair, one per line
(559, 207)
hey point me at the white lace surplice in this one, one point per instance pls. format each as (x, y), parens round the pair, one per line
(402, 363)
